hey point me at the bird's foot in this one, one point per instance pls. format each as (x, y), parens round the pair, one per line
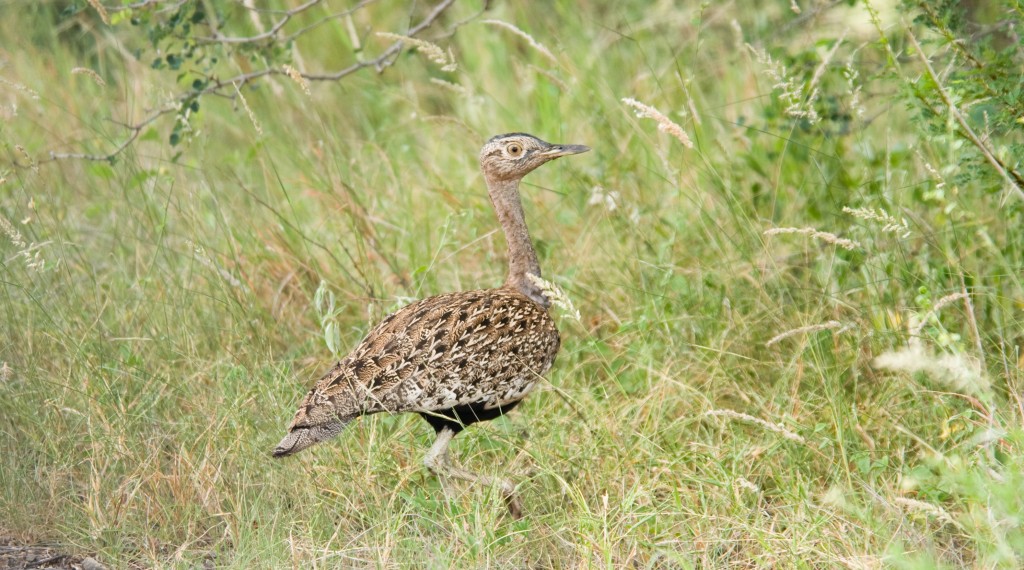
(515, 506)
(438, 463)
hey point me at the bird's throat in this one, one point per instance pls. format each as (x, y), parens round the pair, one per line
(522, 257)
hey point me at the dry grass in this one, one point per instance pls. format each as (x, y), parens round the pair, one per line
(813, 233)
(147, 372)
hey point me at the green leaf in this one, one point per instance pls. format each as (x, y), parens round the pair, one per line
(318, 299)
(150, 135)
(118, 17)
(332, 337)
(102, 170)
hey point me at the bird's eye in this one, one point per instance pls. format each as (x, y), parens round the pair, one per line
(514, 149)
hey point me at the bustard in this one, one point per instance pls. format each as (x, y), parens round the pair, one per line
(457, 358)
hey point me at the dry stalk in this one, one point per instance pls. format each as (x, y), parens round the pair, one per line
(806, 330)
(775, 428)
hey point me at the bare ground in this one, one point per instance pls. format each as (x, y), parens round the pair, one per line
(17, 556)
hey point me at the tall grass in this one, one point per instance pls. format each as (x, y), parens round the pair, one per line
(159, 321)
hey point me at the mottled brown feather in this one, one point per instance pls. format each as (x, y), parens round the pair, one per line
(473, 347)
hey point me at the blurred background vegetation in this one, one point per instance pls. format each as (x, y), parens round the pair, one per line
(800, 341)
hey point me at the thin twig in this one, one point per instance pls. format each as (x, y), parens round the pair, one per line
(217, 38)
(808, 15)
(302, 31)
(135, 129)
(1013, 178)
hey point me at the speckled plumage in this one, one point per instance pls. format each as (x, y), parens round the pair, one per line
(456, 358)
(474, 347)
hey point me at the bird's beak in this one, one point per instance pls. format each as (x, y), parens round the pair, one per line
(557, 150)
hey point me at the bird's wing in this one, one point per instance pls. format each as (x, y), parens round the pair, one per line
(474, 346)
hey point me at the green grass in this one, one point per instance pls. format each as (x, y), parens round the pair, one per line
(150, 368)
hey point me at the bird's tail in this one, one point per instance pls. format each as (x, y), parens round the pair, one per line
(300, 438)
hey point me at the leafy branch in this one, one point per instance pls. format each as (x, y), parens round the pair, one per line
(180, 25)
(1013, 178)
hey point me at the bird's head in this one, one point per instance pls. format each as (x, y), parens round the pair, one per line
(514, 155)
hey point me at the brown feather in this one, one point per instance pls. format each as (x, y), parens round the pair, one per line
(473, 347)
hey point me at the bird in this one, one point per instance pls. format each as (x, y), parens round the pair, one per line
(456, 358)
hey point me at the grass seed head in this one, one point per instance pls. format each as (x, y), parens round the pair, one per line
(813, 233)
(19, 87)
(248, 109)
(90, 74)
(298, 78)
(28, 158)
(529, 39)
(889, 222)
(775, 428)
(664, 123)
(742, 483)
(929, 509)
(101, 10)
(30, 253)
(432, 51)
(555, 294)
(805, 330)
(956, 371)
(453, 87)
(204, 259)
(608, 198)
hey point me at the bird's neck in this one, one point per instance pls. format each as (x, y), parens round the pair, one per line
(522, 258)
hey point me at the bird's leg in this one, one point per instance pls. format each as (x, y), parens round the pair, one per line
(515, 508)
(437, 462)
